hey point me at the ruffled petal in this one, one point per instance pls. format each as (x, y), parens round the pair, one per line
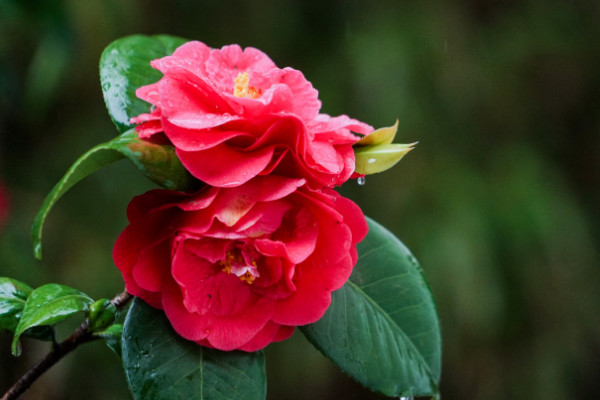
(225, 166)
(270, 333)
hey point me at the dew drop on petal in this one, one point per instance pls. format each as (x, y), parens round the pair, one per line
(361, 181)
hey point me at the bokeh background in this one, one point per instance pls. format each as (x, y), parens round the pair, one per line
(499, 202)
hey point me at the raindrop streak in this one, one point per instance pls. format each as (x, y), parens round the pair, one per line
(361, 181)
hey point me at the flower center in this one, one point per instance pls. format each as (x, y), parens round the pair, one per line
(243, 267)
(242, 87)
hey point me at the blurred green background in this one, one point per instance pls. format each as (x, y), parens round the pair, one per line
(499, 201)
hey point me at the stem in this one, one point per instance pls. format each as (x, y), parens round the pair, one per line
(80, 336)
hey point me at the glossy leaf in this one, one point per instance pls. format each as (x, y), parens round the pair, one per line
(42, 332)
(159, 163)
(382, 327)
(159, 364)
(13, 295)
(378, 158)
(124, 67)
(48, 305)
(379, 136)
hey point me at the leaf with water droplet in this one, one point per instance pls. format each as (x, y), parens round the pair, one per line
(161, 365)
(382, 327)
(48, 305)
(13, 295)
(125, 67)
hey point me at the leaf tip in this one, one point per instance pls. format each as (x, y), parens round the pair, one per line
(37, 249)
(15, 347)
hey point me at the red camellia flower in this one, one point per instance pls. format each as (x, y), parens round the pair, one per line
(232, 114)
(239, 268)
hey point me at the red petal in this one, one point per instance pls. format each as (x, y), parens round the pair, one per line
(139, 235)
(153, 265)
(305, 306)
(263, 218)
(196, 139)
(353, 216)
(224, 166)
(191, 56)
(233, 331)
(191, 326)
(325, 158)
(270, 333)
(153, 200)
(298, 243)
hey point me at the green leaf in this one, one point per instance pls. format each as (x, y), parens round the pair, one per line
(125, 66)
(159, 364)
(382, 327)
(13, 295)
(379, 157)
(42, 332)
(159, 163)
(112, 337)
(48, 305)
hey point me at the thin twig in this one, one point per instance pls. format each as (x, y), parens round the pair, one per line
(80, 336)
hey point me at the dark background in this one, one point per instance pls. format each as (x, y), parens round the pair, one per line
(499, 201)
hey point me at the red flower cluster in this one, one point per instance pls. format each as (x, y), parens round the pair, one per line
(261, 247)
(236, 106)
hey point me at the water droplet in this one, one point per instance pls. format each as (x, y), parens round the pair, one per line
(371, 160)
(406, 398)
(361, 181)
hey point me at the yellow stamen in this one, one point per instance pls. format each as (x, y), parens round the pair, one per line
(227, 263)
(226, 268)
(242, 87)
(235, 260)
(247, 277)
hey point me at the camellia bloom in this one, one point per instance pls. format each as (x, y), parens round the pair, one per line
(239, 268)
(232, 114)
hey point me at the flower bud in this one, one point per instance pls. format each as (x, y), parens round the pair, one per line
(378, 158)
(102, 314)
(379, 136)
(376, 153)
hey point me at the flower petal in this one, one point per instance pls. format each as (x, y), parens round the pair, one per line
(225, 166)
(270, 333)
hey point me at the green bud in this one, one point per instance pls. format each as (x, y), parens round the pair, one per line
(160, 164)
(377, 158)
(379, 136)
(102, 314)
(376, 152)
